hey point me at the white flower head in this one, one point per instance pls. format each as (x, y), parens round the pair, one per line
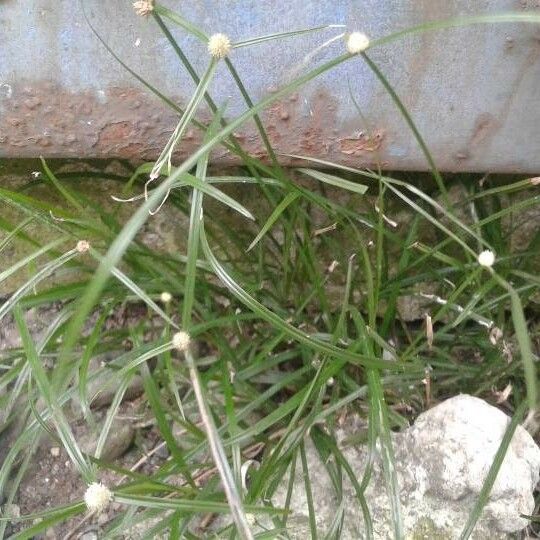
(97, 497)
(486, 258)
(165, 297)
(181, 341)
(143, 7)
(219, 46)
(357, 42)
(83, 246)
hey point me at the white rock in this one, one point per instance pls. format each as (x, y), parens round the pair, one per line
(453, 446)
(441, 463)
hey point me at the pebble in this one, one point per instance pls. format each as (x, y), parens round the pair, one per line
(90, 535)
(118, 441)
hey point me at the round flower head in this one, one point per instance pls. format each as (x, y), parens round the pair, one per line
(486, 258)
(219, 46)
(97, 497)
(143, 7)
(165, 297)
(83, 246)
(357, 42)
(181, 341)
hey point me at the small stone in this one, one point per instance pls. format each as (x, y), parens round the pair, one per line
(162, 452)
(463, 434)
(13, 510)
(90, 535)
(101, 393)
(118, 440)
(32, 103)
(103, 518)
(55, 451)
(441, 465)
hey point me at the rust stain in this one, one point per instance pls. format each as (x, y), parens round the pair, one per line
(123, 122)
(529, 4)
(485, 126)
(114, 133)
(303, 126)
(362, 143)
(44, 118)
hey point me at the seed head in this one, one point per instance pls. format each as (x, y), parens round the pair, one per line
(219, 46)
(181, 341)
(143, 7)
(97, 497)
(165, 297)
(486, 258)
(357, 42)
(83, 246)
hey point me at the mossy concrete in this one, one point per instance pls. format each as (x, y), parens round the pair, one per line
(166, 231)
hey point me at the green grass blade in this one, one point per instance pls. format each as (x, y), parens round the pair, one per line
(185, 505)
(218, 195)
(86, 357)
(14, 232)
(124, 239)
(512, 17)
(274, 216)
(111, 413)
(62, 189)
(309, 493)
(19, 265)
(152, 89)
(138, 291)
(281, 35)
(218, 453)
(195, 222)
(45, 272)
(62, 426)
(176, 18)
(405, 113)
(524, 342)
(335, 181)
(279, 323)
(49, 519)
(165, 158)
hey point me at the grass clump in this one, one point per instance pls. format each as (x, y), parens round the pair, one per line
(264, 329)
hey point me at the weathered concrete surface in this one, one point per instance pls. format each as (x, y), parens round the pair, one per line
(473, 91)
(166, 231)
